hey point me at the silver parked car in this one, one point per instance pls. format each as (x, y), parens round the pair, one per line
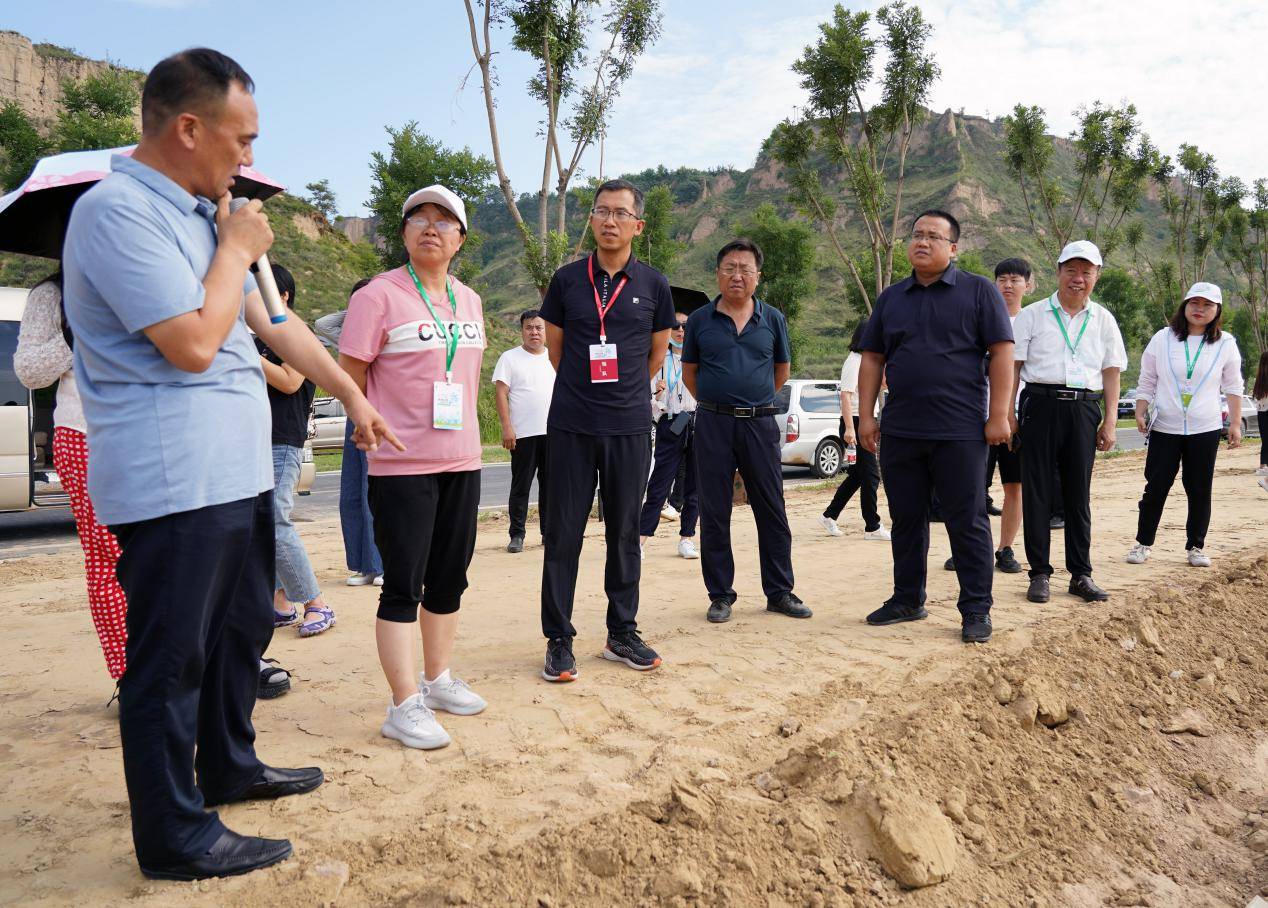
(810, 419)
(328, 424)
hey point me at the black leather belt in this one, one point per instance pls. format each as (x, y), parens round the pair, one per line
(738, 412)
(1061, 392)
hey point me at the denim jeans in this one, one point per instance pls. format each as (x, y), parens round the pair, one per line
(294, 573)
(354, 510)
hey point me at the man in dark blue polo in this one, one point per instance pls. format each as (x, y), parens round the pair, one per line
(930, 334)
(608, 318)
(735, 356)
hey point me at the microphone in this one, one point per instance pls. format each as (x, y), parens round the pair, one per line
(264, 278)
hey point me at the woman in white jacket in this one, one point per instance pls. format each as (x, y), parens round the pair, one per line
(1183, 371)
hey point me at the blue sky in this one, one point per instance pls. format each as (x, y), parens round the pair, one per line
(330, 76)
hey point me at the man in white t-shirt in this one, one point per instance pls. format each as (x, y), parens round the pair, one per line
(524, 380)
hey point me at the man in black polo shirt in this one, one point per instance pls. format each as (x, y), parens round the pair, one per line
(930, 334)
(735, 356)
(608, 318)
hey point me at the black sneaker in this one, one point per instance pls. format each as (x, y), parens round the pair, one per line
(1056, 523)
(949, 564)
(788, 604)
(628, 647)
(1083, 587)
(719, 610)
(560, 665)
(993, 510)
(892, 613)
(1006, 562)
(976, 628)
(516, 544)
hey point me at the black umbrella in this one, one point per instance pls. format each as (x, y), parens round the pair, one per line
(687, 300)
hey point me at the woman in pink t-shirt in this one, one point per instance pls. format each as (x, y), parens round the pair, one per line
(413, 340)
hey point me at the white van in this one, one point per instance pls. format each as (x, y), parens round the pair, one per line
(27, 477)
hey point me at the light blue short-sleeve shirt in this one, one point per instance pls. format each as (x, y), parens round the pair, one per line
(161, 440)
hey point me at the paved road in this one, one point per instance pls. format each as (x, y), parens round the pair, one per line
(53, 530)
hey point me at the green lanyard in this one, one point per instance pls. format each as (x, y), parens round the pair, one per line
(1074, 347)
(1190, 365)
(451, 337)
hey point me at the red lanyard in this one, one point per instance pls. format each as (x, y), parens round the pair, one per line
(598, 304)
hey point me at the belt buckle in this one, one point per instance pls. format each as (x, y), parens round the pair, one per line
(1065, 394)
(742, 412)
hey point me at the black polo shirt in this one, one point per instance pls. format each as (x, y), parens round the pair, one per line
(736, 369)
(290, 411)
(644, 306)
(934, 340)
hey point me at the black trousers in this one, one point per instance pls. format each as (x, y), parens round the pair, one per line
(1262, 418)
(864, 477)
(200, 596)
(1166, 455)
(680, 483)
(528, 458)
(425, 531)
(672, 452)
(1058, 443)
(912, 469)
(619, 463)
(723, 445)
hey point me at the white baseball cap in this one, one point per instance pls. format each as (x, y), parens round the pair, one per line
(1081, 249)
(1207, 291)
(437, 195)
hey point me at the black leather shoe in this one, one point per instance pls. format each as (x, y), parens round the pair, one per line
(1006, 561)
(276, 783)
(892, 613)
(1039, 591)
(788, 604)
(992, 509)
(975, 628)
(1083, 587)
(719, 611)
(230, 855)
(949, 564)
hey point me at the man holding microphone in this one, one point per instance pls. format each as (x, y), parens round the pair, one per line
(159, 296)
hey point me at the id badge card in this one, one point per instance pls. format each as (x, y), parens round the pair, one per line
(603, 363)
(446, 403)
(1186, 395)
(1076, 374)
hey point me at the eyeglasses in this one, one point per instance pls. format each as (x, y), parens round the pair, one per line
(422, 223)
(681, 326)
(621, 215)
(732, 270)
(918, 236)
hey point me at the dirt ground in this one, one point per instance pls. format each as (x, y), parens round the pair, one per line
(1090, 755)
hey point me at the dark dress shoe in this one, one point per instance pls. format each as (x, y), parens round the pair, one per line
(975, 628)
(993, 510)
(719, 611)
(893, 613)
(1083, 587)
(949, 564)
(1006, 561)
(230, 855)
(276, 783)
(788, 604)
(1039, 589)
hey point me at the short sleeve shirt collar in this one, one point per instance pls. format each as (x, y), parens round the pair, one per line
(947, 277)
(164, 186)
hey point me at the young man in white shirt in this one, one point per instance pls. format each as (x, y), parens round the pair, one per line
(1069, 353)
(524, 380)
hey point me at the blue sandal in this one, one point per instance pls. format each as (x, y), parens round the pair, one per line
(285, 619)
(323, 624)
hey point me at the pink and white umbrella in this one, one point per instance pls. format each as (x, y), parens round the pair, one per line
(34, 216)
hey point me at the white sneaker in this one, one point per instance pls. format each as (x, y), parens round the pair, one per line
(414, 725)
(669, 512)
(1138, 554)
(452, 695)
(641, 554)
(687, 549)
(1199, 558)
(1263, 470)
(361, 579)
(1263, 483)
(879, 533)
(830, 525)
(378, 580)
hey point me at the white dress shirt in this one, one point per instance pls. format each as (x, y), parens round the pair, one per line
(1164, 378)
(676, 399)
(850, 383)
(1041, 346)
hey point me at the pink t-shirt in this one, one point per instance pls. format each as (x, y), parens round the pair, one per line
(389, 327)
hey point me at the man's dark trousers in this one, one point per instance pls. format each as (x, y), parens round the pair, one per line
(620, 463)
(1058, 444)
(199, 586)
(529, 457)
(672, 451)
(723, 444)
(911, 469)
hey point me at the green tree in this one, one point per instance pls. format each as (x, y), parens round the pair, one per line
(322, 197)
(415, 160)
(788, 265)
(1113, 160)
(576, 87)
(21, 145)
(857, 139)
(1243, 247)
(1128, 300)
(98, 112)
(656, 245)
